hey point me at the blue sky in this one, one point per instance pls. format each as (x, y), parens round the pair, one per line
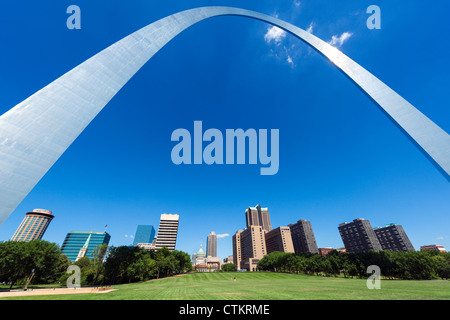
(340, 157)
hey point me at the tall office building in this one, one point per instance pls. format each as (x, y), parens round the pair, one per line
(359, 236)
(167, 231)
(83, 243)
(392, 237)
(144, 234)
(253, 247)
(237, 253)
(33, 226)
(211, 246)
(257, 216)
(279, 239)
(303, 237)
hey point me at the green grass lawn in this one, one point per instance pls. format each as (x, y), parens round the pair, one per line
(264, 286)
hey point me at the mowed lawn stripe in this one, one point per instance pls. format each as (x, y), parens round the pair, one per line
(265, 286)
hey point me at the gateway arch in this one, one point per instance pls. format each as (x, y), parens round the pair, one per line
(36, 132)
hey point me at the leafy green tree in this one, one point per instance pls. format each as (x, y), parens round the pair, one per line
(128, 264)
(335, 263)
(84, 263)
(426, 264)
(314, 265)
(142, 267)
(229, 267)
(12, 259)
(98, 257)
(61, 270)
(164, 263)
(87, 272)
(300, 264)
(442, 266)
(184, 261)
(18, 259)
(118, 260)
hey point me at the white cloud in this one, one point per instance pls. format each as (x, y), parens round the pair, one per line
(223, 235)
(310, 28)
(297, 3)
(440, 238)
(339, 40)
(131, 236)
(274, 34)
(289, 60)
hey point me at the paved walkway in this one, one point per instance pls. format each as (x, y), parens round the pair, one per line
(53, 291)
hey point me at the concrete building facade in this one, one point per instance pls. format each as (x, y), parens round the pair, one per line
(253, 247)
(279, 239)
(257, 216)
(303, 237)
(211, 245)
(167, 231)
(237, 253)
(393, 237)
(359, 236)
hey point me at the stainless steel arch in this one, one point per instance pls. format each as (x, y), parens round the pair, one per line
(36, 132)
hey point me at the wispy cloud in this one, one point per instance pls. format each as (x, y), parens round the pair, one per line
(274, 34)
(310, 28)
(282, 48)
(223, 235)
(289, 60)
(129, 236)
(338, 41)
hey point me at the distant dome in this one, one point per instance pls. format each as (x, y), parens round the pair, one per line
(200, 252)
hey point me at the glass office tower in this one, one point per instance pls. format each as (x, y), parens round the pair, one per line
(75, 241)
(144, 234)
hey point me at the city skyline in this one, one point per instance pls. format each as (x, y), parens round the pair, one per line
(356, 174)
(391, 236)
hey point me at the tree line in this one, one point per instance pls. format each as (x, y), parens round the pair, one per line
(42, 262)
(410, 265)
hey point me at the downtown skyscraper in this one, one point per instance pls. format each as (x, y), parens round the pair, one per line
(257, 216)
(252, 246)
(392, 237)
(144, 234)
(237, 252)
(303, 237)
(359, 236)
(167, 231)
(211, 246)
(85, 242)
(279, 239)
(33, 226)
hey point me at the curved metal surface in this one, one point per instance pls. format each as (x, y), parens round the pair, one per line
(36, 132)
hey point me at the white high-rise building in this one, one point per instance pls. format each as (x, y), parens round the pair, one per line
(167, 231)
